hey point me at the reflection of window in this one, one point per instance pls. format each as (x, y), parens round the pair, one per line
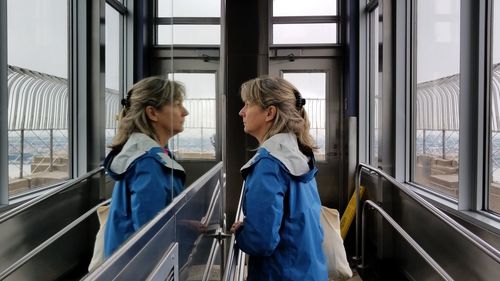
(317, 33)
(198, 140)
(188, 22)
(189, 8)
(312, 86)
(114, 79)
(310, 22)
(436, 119)
(38, 93)
(494, 188)
(284, 8)
(183, 34)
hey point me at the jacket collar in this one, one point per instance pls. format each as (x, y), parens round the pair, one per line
(137, 145)
(285, 148)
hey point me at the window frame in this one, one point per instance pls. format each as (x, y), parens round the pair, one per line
(125, 54)
(82, 156)
(336, 19)
(172, 21)
(475, 54)
(4, 128)
(474, 132)
(373, 79)
(6, 200)
(192, 58)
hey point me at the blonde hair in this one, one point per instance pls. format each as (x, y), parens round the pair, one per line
(155, 91)
(291, 117)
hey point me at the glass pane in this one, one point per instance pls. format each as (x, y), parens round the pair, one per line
(436, 114)
(189, 35)
(494, 191)
(38, 93)
(189, 8)
(310, 33)
(312, 86)
(283, 8)
(197, 141)
(376, 85)
(113, 77)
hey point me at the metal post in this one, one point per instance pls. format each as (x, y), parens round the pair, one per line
(444, 144)
(357, 180)
(22, 155)
(363, 238)
(423, 142)
(4, 101)
(51, 149)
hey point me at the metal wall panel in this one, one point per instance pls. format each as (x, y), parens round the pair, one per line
(455, 253)
(22, 233)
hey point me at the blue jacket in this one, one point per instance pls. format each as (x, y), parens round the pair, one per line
(282, 231)
(146, 181)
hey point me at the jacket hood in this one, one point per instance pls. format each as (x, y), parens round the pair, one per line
(138, 145)
(284, 147)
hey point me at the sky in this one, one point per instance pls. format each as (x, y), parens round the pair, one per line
(37, 39)
(438, 38)
(198, 85)
(39, 47)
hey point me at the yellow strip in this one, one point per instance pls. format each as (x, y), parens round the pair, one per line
(349, 213)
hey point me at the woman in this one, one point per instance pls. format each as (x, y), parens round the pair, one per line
(281, 231)
(146, 175)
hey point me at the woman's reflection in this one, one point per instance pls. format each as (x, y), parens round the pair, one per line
(146, 174)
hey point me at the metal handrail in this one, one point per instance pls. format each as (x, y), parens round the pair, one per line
(21, 208)
(232, 249)
(478, 242)
(20, 262)
(405, 236)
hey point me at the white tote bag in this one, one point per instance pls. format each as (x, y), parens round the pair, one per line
(333, 246)
(98, 256)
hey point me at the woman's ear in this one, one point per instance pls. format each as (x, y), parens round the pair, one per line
(271, 113)
(151, 113)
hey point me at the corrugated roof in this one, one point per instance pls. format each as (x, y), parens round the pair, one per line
(39, 101)
(438, 106)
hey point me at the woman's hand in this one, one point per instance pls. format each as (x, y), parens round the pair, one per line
(235, 226)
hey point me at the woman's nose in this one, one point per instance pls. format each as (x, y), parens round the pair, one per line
(242, 112)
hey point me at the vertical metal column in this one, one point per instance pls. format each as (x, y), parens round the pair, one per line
(444, 144)
(51, 149)
(4, 98)
(4, 101)
(471, 103)
(242, 48)
(21, 162)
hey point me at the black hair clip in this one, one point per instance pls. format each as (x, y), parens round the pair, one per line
(300, 102)
(126, 101)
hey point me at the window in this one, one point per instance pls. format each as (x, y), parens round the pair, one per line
(311, 33)
(287, 8)
(114, 75)
(299, 22)
(197, 141)
(375, 38)
(494, 190)
(188, 39)
(312, 87)
(37, 38)
(188, 22)
(436, 119)
(183, 34)
(188, 8)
